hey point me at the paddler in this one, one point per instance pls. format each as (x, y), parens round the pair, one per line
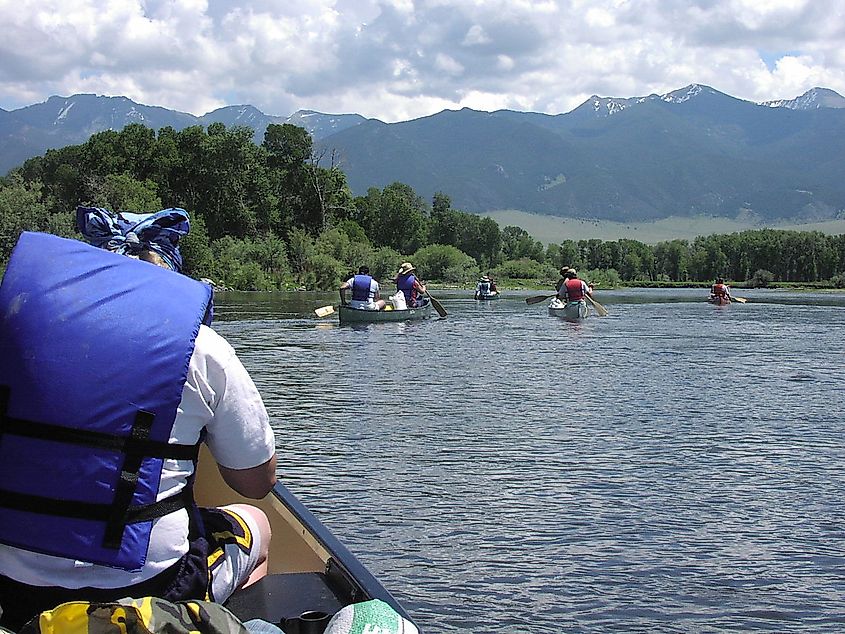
(365, 291)
(720, 291)
(110, 378)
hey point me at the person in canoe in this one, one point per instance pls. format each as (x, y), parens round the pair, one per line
(720, 293)
(410, 285)
(110, 378)
(365, 291)
(573, 289)
(562, 272)
(485, 287)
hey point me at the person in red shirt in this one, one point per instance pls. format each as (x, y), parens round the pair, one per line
(720, 292)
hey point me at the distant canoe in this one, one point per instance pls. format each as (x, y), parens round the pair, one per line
(357, 316)
(487, 296)
(719, 301)
(571, 311)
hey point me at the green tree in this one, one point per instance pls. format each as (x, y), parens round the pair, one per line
(197, 255)
(517, 243)
(123, 192)
(401, 219)
(301, 250)
(21, 210)
(565, 254)
(337, 244)
(672, 258)
(288, 146)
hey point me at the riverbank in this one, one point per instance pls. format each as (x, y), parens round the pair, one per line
(540, 285)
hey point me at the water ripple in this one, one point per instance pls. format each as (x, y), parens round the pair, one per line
(674, 467)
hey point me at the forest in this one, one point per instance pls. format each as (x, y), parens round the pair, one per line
(281, 216)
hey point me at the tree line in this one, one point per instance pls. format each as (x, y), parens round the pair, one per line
(280, 215)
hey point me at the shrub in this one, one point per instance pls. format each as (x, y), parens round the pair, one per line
(446, 263)
(384, 263)
(249, 265)
(525, 269)
(761, 278)
(334, 243)
(249, 276)
(328, 272)
(20, 210)
(838, 280)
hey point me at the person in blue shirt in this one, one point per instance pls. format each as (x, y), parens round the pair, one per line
(410, 285)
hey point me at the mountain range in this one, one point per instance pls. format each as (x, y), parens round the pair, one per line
(693, 151)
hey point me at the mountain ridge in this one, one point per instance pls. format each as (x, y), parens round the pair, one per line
(690, 151)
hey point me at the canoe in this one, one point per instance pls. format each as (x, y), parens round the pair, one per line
(311, 575)
(719, 301)
(487, 296)
(349, 315)
(571, 311)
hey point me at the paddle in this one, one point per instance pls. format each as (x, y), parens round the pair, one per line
(538, 298)
(323, 311)
(601, 310)
(741, 300)
(437, 305)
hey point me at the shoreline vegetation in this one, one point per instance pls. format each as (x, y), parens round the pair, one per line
(280, 216)
(539, 285)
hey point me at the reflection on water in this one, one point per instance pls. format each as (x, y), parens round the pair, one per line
(673, 467)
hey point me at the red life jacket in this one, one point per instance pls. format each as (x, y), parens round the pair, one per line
(574, 291)
(719, 290)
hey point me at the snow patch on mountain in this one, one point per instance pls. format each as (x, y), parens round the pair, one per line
(684, 94)
(133, 114)
(813, 99)
(64, 111)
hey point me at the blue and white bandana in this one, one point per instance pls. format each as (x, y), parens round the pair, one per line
(129, 233)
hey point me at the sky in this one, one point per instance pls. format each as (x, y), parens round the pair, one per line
(396, 60)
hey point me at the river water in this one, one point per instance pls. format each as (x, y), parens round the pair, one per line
(671, 467)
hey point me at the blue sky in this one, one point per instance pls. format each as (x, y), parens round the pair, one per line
(401, 59)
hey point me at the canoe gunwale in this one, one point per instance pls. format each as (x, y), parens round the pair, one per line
(340, 562)
(301, 546)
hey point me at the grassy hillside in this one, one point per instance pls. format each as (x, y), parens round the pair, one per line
(552, 229)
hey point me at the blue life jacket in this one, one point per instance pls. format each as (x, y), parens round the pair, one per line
(405, 283)
(94, 354)
(361, 288)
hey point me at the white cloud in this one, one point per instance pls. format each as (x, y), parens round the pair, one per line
(475, 35)
(448, 65)
(398, 59)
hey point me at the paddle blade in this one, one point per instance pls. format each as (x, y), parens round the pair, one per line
(324, 310)
(741, 300)
(537, 299)
(437, 306)
(601, 310)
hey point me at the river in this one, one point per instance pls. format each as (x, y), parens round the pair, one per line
(671, 467)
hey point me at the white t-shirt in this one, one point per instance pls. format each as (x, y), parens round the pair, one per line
(218, 395)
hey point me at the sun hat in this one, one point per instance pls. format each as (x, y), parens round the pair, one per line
(484, 278)
(406, 268)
